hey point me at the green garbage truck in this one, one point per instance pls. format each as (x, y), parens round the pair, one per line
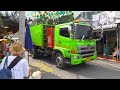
(68, 43)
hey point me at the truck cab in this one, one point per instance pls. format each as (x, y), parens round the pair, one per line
(75, 43)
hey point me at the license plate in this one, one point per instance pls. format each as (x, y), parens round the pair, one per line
(88, 59)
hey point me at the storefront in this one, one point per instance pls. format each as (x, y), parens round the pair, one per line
(108, 44)
(9, 24)
(107, 23)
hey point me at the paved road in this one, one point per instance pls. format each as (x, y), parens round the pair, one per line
(93, 70)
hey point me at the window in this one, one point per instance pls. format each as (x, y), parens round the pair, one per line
(3, 13)
(83, 31)
(64, 32)
(89, 15)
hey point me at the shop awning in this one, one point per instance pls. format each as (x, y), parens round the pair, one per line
(105, 28)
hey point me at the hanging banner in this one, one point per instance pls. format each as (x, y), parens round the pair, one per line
(54, 15)
(105, 18)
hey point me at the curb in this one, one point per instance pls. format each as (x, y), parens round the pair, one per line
(108, 59)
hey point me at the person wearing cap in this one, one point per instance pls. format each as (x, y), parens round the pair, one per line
(21, 69)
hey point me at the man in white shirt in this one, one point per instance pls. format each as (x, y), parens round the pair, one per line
(21, 69)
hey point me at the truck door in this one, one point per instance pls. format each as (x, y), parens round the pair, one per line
(64, 40)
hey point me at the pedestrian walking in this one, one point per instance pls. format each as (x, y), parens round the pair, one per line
(18, 66)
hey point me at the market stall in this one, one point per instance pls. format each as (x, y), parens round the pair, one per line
(107, 22)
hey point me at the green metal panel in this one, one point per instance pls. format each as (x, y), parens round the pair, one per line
(81, 60)
(37, 34)
(76, 43)
(65, 43)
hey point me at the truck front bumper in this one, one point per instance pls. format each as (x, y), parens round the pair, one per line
(76, 59)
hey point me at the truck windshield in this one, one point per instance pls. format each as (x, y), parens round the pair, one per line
(83, 32)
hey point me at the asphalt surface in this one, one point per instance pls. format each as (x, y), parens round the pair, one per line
(97, 69)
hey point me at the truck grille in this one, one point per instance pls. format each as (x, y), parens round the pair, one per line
(86, 51)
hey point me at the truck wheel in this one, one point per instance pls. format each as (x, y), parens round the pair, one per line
(60, 61)
(34, 53)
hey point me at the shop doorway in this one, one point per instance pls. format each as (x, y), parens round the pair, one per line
(107, 45)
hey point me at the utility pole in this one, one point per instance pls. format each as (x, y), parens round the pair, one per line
(22, 29)
(119, 39)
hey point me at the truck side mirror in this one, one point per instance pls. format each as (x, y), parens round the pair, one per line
(98, 36)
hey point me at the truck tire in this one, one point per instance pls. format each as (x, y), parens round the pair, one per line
(59, 59)
(34, 53)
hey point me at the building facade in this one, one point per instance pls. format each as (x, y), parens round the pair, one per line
(108, 23)
(87, 16)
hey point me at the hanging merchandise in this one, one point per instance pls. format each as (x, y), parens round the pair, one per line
(42, 12)
(60, 16)
(49, 15)
(41, 16)
(57, 13)
(46, 15)
(65, 13)
(68, 13)
(38, 16)
(54, 14)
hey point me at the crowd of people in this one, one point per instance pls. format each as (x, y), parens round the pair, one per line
(18, 66)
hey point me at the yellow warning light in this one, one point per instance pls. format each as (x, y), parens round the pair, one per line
(77, 20)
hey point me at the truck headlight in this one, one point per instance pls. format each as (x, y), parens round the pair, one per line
(76, 57)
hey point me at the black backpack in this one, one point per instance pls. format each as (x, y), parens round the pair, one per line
(6, 73)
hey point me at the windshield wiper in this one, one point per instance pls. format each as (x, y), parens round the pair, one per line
(83, 37)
